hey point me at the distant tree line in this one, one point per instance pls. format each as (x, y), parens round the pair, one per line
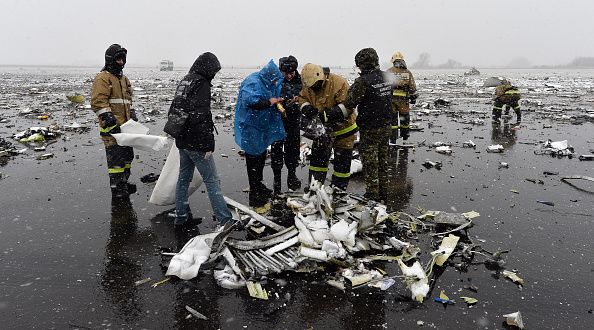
(423, 62)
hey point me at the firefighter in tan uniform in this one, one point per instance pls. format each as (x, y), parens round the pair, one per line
(508, 96)
(111, 101)
(404, 92)
(323, 95)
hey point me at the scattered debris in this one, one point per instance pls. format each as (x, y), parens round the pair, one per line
(151, 177)
(469, 144)
(45, 156)
(195, 313)
(444, 299)
(154, 285)
(255, 290)
(443, 150)
(514, 319)
(493, 81)
(469, 300)
(429, 164)
(557, 148)
(513, 276)
(141, 282)
(472, 72)
(546, 203)
(496, 148)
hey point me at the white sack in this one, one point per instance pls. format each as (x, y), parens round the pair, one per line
(133, 127)
(187, 262)
(141, 141)
(164, 191)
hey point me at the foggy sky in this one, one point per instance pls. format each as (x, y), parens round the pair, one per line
(327, 32)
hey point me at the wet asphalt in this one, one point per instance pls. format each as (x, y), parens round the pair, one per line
(70, 255)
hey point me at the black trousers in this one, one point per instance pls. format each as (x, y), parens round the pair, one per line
(320, 157)
(255, 169)
(286, 151)
(119, 162)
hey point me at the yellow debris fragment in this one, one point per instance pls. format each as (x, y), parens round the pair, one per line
(255, 290)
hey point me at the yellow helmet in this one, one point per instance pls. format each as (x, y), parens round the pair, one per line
(311, 73)
(397, 56)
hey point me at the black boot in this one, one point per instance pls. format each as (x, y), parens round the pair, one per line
(264, 191)
(256, 199)
(293, 182)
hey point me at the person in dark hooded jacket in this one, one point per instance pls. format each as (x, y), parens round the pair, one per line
(196, 143)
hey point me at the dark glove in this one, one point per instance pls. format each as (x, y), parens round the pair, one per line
(334, 115)
(309, 111)
(108, 120)
(413, 100)
(133, 115)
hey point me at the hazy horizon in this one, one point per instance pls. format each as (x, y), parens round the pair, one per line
(248, 34)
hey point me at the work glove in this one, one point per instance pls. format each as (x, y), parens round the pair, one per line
(108, 120)
(309, 111)
(413, 100)
(334, 115)
(133, 115)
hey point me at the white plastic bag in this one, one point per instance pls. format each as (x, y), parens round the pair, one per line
(134, 134)
(164, 191)
(133, 127)
(141, 141)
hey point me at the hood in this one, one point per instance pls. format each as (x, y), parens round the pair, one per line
(113, 53)
(367, 60)
(269, 73)
(206, 65)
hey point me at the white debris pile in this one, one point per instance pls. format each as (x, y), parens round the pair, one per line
(342, 233)
(556, 148)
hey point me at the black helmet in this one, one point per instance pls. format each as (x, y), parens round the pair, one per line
(367, 59)
(115, 52)
(288, 64)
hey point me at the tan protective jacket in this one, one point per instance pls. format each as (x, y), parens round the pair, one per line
(111, 94)
(334, 92)
(404, 85)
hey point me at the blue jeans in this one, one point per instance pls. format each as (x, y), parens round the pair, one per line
(187, 160)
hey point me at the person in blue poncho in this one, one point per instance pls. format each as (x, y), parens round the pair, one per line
(258, 123)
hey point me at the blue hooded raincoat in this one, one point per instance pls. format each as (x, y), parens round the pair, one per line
(256, 129)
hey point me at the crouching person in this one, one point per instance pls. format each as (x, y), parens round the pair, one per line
(196, 143)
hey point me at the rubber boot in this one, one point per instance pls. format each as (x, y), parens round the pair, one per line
(293, 182)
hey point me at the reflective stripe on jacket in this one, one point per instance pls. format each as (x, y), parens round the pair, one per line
(112, 94)
(334, 92)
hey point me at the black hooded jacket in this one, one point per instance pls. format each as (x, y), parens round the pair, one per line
(193, 96)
